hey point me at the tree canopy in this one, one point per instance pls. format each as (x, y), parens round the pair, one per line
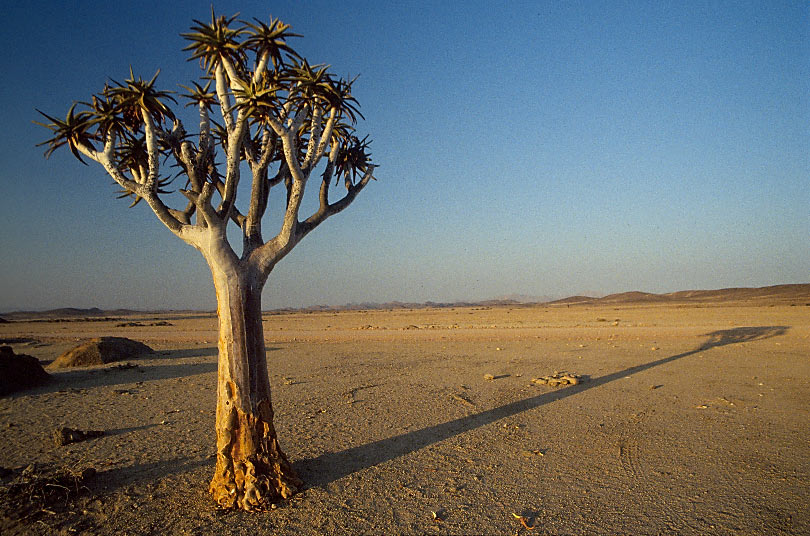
(259, 103)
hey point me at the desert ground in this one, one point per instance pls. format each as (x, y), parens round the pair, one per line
(688, 419)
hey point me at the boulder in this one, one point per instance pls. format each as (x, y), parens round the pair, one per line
(19, 371)
(99, 351)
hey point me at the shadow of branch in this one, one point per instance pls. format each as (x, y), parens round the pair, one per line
(332, 466)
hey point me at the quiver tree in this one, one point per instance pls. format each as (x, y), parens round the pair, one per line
(272, 113)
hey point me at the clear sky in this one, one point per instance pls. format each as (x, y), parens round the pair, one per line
(541, 148)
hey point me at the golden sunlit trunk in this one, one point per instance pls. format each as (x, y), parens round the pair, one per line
(252, 471)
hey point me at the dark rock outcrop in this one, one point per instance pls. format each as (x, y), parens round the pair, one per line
(19, 371)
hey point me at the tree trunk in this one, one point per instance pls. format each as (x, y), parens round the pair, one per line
(252, 472)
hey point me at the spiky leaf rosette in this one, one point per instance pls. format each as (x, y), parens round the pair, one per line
(270, 39)
(135, 96)
(71, 131)
(215, 41)
(353, 157)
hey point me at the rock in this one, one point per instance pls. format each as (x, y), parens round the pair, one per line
(558, 379)
(20, 371)
(66, 436)
(99, 351)
(3, 321)
(489, 377)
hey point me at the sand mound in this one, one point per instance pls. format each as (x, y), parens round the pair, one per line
(18, 372)
(100, 351)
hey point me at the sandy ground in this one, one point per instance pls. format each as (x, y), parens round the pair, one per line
(692, 420)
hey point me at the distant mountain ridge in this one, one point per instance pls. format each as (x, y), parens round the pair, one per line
(68, 312)
(799, 291)
(779, 293)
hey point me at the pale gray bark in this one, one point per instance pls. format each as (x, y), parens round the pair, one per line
(250, 464)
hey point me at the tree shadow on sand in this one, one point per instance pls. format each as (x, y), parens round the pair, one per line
(92, 378)
(187, 352)
(330, 467)
(211, 351)
(128, 371)
(113, 479)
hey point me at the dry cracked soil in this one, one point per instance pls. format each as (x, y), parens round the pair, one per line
(685, 419)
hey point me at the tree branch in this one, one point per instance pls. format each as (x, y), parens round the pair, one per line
(202, 200)
(325, 137)
(236, 216)
(206, 140)
(153, 158)
(234, 77)
(224, 97)
(314, 137)
(261, 65)
(232, 171)
(326, 210)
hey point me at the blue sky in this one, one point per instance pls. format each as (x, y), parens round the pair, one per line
(542, 148)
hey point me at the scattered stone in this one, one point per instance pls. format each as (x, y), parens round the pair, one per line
(463, 399)
(558, 379)
(531, 453)
(99, 351)
(19, 371)
(65, 436)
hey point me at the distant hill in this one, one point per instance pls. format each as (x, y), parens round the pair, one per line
(798, 293)
(573, 300)
(72, 313)
(776, 293)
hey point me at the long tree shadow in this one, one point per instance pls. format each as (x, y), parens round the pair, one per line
(335, 465)
(113, 479)
(212, 351)
(129, 371)
(188, 352)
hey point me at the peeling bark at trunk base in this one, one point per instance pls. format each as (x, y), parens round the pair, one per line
(252, 471)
